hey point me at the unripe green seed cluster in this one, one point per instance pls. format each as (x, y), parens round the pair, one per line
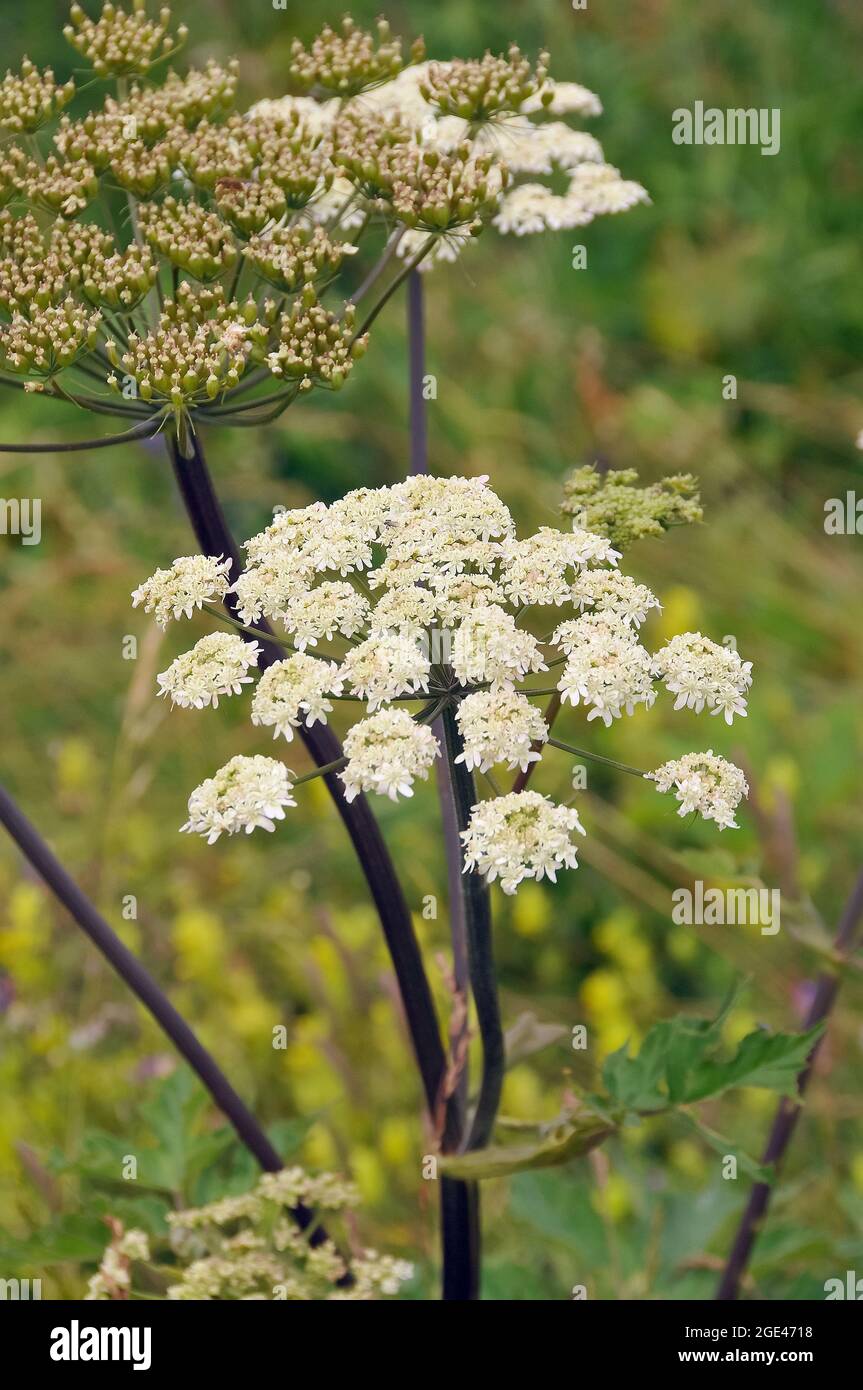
(479, 89)
(29, 98)
(189, 236)
(349, 61)
(292, 257)
(425, 188)
(49, 340)
(120, 44)
(199, 348)
(316, 348)
(250, 207)
(64, 189)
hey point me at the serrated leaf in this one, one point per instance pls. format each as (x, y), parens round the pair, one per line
(771, 1061)
(572, 1141)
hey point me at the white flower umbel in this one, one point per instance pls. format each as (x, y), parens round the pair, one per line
(518, 836)
(539, 569)
(293, 692)
(705, 783)
(317, 614)
(269, 590)
(382, 668)
(385, 753)
(608, 668)
(192, 581)
(608, 591)
(246, 794)
(217, 665)
(425, 589)
(499, 727)
(488, 647)
(700, 672)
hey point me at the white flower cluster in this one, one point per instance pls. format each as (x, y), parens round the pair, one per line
(385, 753)
(699, 673)
(607, 667)
(246, 794)
(499, 727)
(294, 692)
(192, 581)
(217, 665)
(705, 783)
(521, 835)
(430, 592)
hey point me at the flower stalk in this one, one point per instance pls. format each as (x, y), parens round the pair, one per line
(214, 535)
(788, 1112)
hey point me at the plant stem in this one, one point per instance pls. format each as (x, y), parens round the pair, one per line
(215, 538)
(379, 266)
(144, 430)
(594, 757)
(416, 364)
(130, 970)
(399, 279)
(459, 1201)
(552, 710)
(788, 1111)
(477, 911)
(142, 984)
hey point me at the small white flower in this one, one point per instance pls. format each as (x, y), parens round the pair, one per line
(293, 692)
(567, 98)
(245, 794)
(700, 672)
(499, 726)
(518, 836)
(385, 753)
(487, 646)
(334, 606)
(384, 667)
(217, 665)
(609, 591)
(607, 668)
(705, 783)
(192, 581)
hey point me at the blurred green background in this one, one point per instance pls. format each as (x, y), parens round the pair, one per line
(742, 265)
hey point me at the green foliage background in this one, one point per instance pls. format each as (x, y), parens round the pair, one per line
(743, 264)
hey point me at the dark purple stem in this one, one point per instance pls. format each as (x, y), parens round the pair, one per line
(215, 538)
(130, 970)
(788, 1113)
(460, 1215)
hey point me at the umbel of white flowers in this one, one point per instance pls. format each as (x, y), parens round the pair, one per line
(420, 595)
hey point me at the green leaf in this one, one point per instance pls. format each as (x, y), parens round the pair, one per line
(771, 1061)
(71, 1237)
(675, 1064)
(578, 1137)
